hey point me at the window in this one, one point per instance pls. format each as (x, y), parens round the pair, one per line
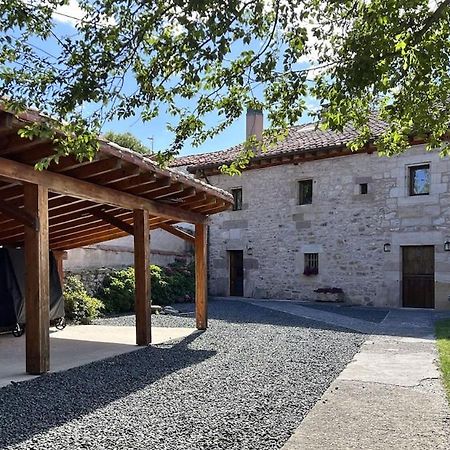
(305, 190)
(363, 189)
(419, 180)
(237, 197)
(311, 264)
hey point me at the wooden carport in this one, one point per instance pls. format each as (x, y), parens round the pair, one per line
(73, 204)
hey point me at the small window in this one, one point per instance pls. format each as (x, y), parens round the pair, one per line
(311, 264)
(305, 190)
(237, 197)
(419, 180)
(363, 188)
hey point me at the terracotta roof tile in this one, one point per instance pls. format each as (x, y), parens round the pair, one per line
(300, 139)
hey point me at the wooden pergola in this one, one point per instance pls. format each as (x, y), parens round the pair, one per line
(73, 204)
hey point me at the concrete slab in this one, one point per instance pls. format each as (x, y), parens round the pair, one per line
(355, 416)
(391, 365)
(78, 345)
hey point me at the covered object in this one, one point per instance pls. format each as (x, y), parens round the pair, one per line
(12, 289)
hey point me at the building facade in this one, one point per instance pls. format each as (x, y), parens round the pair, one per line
(377, 228)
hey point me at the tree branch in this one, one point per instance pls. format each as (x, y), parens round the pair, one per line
(435, 17)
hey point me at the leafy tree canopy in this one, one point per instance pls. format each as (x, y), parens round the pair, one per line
(224, 57)
(127, 140)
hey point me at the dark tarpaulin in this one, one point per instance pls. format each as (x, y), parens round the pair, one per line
(12, 288)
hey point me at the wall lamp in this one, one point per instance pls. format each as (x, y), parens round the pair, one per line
(387, 247)
(447, 246)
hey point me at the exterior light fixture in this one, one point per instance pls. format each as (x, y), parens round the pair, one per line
(249, 250)
(447, 246)
(387, 247)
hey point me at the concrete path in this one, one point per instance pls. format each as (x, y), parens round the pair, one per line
(390, 396)
(78, 345)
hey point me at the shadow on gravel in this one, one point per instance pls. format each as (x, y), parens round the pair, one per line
(56, 398)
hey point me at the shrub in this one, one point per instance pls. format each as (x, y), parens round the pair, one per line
(168, 285)
(79, 306)
(117, 291)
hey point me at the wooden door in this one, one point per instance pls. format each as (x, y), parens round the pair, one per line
(418, 276)
(236, 273)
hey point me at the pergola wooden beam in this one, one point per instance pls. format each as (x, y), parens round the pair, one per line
(89, 191)
(177, 232)
(37, 284)
(109, 218)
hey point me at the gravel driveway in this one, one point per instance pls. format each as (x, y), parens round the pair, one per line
(246, 383)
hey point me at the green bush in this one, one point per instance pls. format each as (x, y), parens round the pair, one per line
(79, 306)
(117, 291)
(168, 285)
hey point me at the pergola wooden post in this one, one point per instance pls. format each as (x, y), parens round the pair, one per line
(142, 276)
(201, 288)
(37, 281)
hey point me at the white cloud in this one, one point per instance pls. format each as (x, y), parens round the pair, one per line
(70, 13)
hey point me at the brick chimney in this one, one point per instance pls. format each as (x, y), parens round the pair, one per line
(254, 121)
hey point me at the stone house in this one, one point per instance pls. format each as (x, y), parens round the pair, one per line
(310, 214)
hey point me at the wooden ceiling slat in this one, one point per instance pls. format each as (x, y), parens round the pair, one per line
(16, 145)
(33, 155)
(96, 226)
(90, 240)
(77, 225)
(168, 191)
(94, 169)
(141, 179)
(150, 188)
(83, 237)
(116, 176)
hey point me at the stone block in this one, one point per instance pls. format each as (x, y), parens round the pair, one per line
(360, 180)
(303, 225)
(230, 224)
(219, 263)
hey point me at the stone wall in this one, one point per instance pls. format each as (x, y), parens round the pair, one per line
(347, 229)
(92, 279)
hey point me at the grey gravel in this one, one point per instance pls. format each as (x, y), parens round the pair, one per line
(184, 319)
(246, 383)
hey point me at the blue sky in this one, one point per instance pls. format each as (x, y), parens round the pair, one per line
(154, 133)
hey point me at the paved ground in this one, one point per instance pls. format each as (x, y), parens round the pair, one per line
(78, 345)
(246, 383)
(390, 396)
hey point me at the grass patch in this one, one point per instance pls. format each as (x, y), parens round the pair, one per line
(443, 344)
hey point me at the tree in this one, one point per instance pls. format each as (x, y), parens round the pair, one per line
(127, 140)
(388, 55)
